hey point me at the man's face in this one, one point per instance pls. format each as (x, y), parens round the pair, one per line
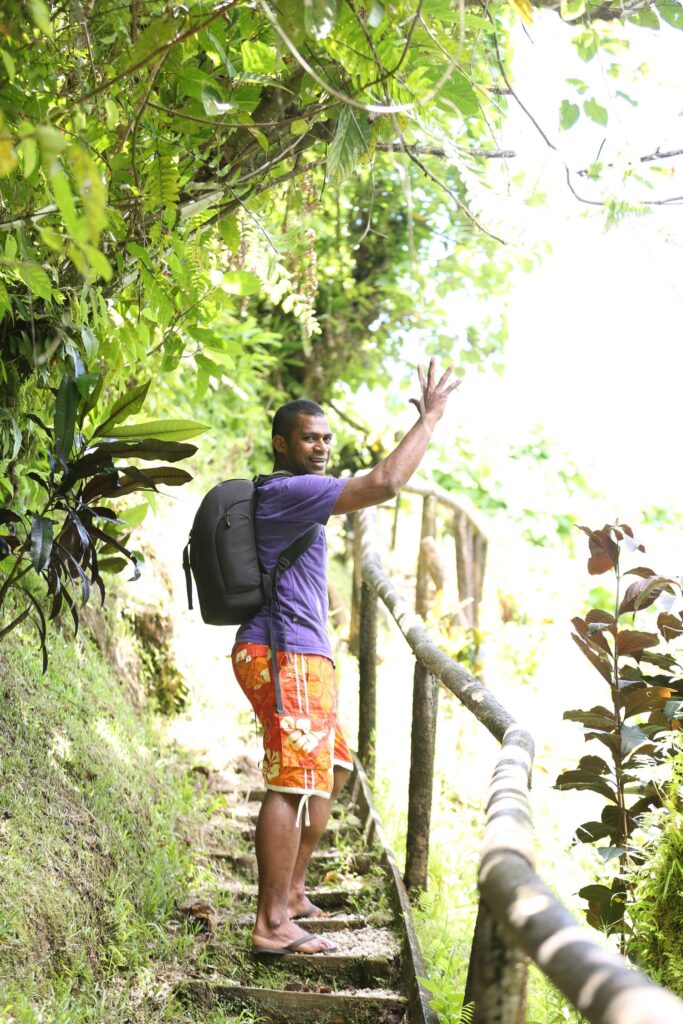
(307, 448)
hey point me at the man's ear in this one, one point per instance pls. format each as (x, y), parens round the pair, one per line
(279, 444)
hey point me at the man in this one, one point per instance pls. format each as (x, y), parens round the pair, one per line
(306, 759)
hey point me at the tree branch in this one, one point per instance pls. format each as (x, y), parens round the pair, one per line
(648, 158)
(420, 150)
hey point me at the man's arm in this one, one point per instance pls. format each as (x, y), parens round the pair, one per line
(389, 476)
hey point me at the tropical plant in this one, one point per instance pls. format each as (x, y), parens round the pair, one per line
(52, 557)
(645, 685)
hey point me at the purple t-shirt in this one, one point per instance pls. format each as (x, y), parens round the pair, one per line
(286, 507)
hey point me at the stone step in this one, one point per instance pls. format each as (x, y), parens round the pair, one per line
(322, 861)
(282, 1006)
(336, 922)
(340, 897)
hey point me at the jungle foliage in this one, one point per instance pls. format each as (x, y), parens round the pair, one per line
(234, 200)
(637, 726)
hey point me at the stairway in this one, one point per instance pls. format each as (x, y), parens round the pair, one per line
(372, 976)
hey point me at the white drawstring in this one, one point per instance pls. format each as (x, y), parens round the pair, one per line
(303, 809)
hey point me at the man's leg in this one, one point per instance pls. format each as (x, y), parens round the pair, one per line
(319, 811)
(277, 847)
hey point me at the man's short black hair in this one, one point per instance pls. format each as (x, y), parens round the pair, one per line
(286, 416)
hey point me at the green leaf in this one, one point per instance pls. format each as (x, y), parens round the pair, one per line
(10, 66)
(112, 113)
(51, 143)
(8, 155)
(29, 152)
(51, 238)
(90, 342)
(137, 250)
(645, 18)
(135, 515)
(570, 10)
(595, 111)
(320, 17)
(168, 430)
(40, 14)
(569, 114)
(86, 384)
(670, 12)
(66, 409)
(65, 202)
(37, 280)
(213, 104)
(299, 126)
(241, 282)
(259, 57)
(351, 143)
(155, 35)
(42, 532)
(112, 563)
(230, 232)
(98, 264)
(127, 404)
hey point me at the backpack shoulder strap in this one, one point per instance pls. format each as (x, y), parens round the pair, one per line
(289, 556)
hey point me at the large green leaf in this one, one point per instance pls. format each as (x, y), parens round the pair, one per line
(127, 404)
(65, 417)
(42, 535)
(671, 12)
(165, 430)
(241, 282)
(36, 279)
(351, 143)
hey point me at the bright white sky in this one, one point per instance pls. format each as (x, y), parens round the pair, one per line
(595, 352)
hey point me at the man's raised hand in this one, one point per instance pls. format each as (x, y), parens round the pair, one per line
(434, 394)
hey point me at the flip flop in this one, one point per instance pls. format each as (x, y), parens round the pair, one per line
(291, 949)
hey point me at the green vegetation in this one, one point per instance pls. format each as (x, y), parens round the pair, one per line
(657, 887)
(93, 856)
(236, 202)
(637, 729)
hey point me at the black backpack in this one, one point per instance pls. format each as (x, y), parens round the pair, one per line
(221, 552)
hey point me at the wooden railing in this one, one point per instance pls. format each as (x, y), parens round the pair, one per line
(518, 916)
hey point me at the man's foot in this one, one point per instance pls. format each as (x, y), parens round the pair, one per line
(289, 938)
(300, 908)
(291, 949)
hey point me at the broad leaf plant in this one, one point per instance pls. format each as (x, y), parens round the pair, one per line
(644, 703)
(52, 557)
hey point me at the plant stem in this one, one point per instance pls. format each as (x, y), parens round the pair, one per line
(617, 755)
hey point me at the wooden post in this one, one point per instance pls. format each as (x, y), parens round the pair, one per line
(394, 524)
(470, 552)
(355, 587)
(422, 744)
(367, 671)
(423, 580)
(496, 978)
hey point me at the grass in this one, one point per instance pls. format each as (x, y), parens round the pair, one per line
(93, 857)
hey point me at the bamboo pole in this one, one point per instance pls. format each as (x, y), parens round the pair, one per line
(422, 581)
(367, 672)
(497, 974)
(421, 784)
(423, 732)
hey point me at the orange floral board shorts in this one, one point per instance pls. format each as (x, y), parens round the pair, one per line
(301, 746)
